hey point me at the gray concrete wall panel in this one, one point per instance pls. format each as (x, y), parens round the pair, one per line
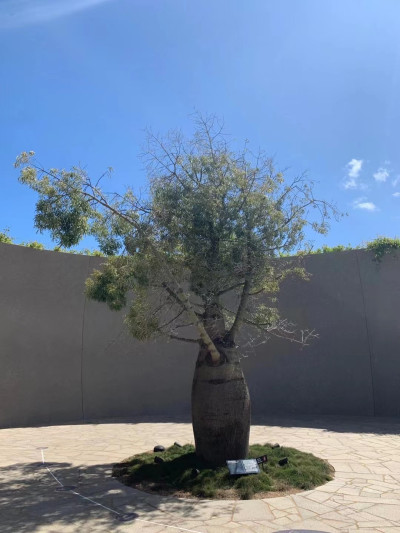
(64, 358)
(381, 288)
(332, 375)
(41, 310)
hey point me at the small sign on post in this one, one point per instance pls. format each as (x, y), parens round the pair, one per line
(262, 460)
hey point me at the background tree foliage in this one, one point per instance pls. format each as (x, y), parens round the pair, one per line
(214, 222)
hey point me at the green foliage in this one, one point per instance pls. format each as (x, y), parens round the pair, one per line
(61, 208)
(141, 322)
(93, 253)
(5, 237)
(225, 216)
(34, 244)
(85, 251)
(112, 283)
(382, 246)
(328, 249)
(215, 218)
(304, 471)
(264, 315)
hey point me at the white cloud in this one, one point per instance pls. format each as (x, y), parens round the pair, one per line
(396, 194)
(362, 203)
(396, 181)
(353, 171)
(381, 174)
(354, 167)
(20, 13)
(350, 184)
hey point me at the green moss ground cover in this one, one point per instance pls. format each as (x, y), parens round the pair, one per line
(175, 475)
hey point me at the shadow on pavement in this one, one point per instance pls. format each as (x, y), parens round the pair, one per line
(30, 501)
(344, 424)
(339, 424)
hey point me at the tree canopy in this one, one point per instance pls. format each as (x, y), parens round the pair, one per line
(214, 223)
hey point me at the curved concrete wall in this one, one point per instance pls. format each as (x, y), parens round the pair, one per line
(63, 358)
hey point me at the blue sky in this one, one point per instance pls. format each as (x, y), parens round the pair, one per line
(315, 83)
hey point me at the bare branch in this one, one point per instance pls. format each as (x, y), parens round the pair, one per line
(240, 311)
(172, 319)
(184, 339)
(231, 288)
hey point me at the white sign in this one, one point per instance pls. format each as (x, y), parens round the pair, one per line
(243, 467)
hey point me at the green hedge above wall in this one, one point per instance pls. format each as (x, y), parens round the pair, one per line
(379, 247)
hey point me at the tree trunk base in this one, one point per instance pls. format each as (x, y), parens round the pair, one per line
(220, 408)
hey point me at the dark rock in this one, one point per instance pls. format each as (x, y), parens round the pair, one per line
(283, 461)
(159, 448)
(119, 471)
(126, 517)
(158, 459)
(276, 445)
(195, 472)
(177, 444)
(158, 487)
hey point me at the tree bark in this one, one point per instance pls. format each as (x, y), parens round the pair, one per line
(220, 407)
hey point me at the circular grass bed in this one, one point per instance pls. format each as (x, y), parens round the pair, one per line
(183, 474)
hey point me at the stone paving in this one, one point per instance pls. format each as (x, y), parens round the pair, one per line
(363, 497)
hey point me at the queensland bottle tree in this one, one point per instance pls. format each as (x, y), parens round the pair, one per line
(195, 260)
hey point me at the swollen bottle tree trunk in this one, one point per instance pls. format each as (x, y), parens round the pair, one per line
(220, 407)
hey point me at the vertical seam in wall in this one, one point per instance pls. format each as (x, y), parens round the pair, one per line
(368, 335)
(82, 337)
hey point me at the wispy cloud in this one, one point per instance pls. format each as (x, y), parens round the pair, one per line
(353, 167)
(396, 181)
(396, 194)
(20, 13)
(381, 175)
(362, 203)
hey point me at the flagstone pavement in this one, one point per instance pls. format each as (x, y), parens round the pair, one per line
(364, 495)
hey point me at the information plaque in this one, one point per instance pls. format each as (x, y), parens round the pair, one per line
(243, 467)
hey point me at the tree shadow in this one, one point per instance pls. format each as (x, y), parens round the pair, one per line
(337, 424)
(31, 499)
(183, 418)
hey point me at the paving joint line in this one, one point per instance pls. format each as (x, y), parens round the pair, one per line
(117, 513)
